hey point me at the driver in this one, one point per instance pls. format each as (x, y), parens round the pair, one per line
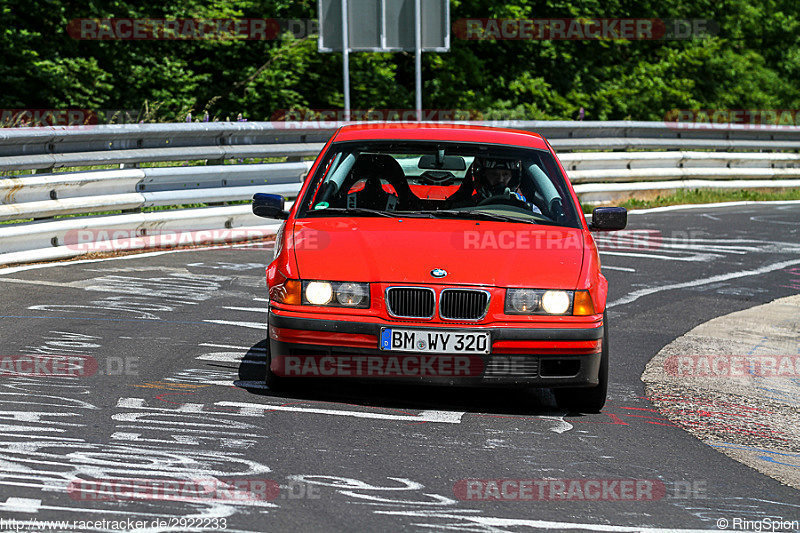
(498, 178)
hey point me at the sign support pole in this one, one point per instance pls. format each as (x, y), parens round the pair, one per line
(384, 26)
(418, 57)
(346, 62)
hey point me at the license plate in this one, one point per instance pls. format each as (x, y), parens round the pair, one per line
(435, 341)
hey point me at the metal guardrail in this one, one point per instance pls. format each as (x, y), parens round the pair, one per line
(62, 146)
(599, 176)
(47, 195)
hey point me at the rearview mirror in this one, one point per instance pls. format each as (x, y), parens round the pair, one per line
(269, 206)
(448, 162)
(609, 219)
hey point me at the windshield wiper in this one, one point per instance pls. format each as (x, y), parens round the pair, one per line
(444, 213)
(363, 211)
(351, 211)
(482, 215)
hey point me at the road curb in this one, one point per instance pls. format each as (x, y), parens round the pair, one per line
(751, 418)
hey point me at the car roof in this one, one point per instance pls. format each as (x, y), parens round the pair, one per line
(415, 131)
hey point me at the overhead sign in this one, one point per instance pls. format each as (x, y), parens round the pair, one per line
(384, 25)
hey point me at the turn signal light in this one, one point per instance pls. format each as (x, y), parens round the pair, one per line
(287, 292)
(583, 304)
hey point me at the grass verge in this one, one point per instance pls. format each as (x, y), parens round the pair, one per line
(704, 196)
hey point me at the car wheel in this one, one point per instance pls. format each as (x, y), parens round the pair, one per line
(271, 379)
(588, 399)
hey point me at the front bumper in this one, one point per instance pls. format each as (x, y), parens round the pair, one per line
(525, 356)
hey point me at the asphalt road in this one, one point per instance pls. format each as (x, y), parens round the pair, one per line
(178, 343)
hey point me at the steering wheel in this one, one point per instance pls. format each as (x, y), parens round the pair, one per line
(507, 199)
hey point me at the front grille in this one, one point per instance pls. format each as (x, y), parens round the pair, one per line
(463, 304)
(508, 366)
(410, 302)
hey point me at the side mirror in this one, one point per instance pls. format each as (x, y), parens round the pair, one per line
(269, 206)
(609, 219)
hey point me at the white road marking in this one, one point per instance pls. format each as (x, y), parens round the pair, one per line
(11, 270)
(37, 282)
(624, 269)
(21, 505)
(709, 206)
(635, 295)
(541, 524)
(251, 325)
(250, 384)
(446, 417)
(561, 424)
(697, 257)
(221, 357)
(436, 499)
(251, 409)
(38, 437)
(212, 345)
(227, 357)
(261, 299)
(768, 220)
(32, 505)
(253, 309)
(688, 247)
(689, 244)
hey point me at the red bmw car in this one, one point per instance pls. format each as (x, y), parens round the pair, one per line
(446, 254)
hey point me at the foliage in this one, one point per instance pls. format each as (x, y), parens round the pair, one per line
(752, 63)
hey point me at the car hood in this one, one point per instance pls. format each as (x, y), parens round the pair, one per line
(406, 250)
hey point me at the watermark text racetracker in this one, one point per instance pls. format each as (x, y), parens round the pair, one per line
(759, 119)
(209, 489)
(33, 118)
(379, 366)
(120, 239)
(541, 239)
(221, 29)
(172, 29)
(579, 490)
(534, 238)
(583, 29)
(733, 366)
(67, 366)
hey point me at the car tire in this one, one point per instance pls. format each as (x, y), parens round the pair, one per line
(588, 399)
(272, 380)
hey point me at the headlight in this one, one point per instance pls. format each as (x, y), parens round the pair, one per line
(350, 294)
(556, 302)
(522, 300)
(318, 292)
(337, 294)
(538, 302)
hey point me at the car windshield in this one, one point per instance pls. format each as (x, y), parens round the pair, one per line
(440, 180)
